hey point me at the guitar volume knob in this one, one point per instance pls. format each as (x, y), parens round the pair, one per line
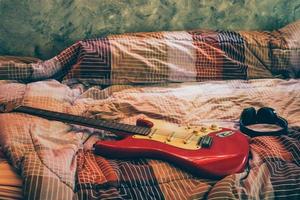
(214, 127)
(203, 129)
(196, 132)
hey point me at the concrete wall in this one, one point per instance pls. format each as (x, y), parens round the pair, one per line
(42, 28)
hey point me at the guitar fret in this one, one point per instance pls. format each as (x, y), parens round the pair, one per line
(146, 131)
(39, 112)
(139, 129)
(134, 129)
(72, 118)
(127, 127)
(124, 127)
(96, 123)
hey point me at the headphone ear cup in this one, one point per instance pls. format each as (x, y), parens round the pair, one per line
(248, 116)
(266, 115)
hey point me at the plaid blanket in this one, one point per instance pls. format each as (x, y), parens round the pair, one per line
(56, 159)
(177, 56)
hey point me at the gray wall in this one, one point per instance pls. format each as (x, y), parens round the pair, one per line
(42, 28)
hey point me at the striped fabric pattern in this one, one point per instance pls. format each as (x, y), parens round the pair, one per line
(10, 181)
(56, 160)
(175, 56)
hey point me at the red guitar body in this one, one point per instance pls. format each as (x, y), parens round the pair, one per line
(227, 153)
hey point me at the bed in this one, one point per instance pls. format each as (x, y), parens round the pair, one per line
(184, 77)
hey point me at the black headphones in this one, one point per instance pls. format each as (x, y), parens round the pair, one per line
(264, 115)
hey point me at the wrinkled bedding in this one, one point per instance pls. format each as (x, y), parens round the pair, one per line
(10, 181)
(184, 77)
(56, 160)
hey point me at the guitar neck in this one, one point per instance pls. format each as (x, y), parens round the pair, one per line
(107, 125)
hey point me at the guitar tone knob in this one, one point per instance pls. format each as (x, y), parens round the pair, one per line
(196, 132)
(214, 127)
(203, 129)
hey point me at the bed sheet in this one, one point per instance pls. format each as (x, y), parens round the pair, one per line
(56, 160)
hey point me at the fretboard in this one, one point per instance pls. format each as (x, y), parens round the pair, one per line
(111, 126)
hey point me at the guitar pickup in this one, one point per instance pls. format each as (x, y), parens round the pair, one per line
(205, 141)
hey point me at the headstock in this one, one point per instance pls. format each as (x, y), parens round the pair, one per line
(7, 107)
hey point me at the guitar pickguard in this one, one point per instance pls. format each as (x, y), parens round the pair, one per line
(184, 137)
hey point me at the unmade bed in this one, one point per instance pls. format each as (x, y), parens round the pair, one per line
(185, 77)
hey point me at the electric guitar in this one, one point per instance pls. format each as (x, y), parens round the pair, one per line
(211, 151)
